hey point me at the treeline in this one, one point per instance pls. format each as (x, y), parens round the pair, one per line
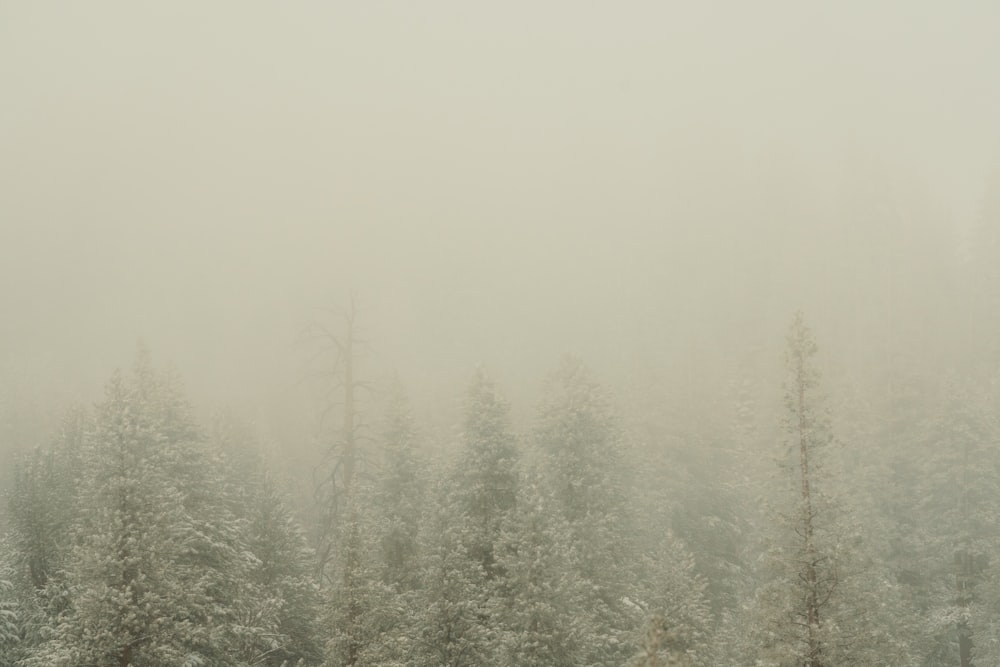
(138, 537)
(658, 536)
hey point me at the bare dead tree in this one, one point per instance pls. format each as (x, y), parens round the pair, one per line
(335, 356)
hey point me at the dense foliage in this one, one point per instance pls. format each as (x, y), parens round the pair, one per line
(594, 537)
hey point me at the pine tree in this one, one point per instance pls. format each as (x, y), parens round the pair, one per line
(452, 627)
(364, 612)
(149, 577)
(656, 646)
(543, 597)
(399, 496)
(673, 597)
(485, 480)
(375, 601)
(277, 604)
(10, 634)
(579, 441)
(822, 599)
(808, 433)
(43, 506)
(960, 529)
(464, 577)
(43, 500)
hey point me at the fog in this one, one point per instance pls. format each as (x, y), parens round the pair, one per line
(496, 185)
(655, 187)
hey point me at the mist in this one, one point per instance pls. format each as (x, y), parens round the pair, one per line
(655, 188)
(494, 184)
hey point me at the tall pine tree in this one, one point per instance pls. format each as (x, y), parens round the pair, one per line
(154, 556)
(579, 440)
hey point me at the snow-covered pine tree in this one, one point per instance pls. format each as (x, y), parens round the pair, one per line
(373, 613)
(485, 479)
(277, 607)
(147, 581)
(871, 468)
(808, 433)
(579, 441)
(399, 494)
(367, 625)
(822, 600)
(42, 508)
(463, 577)
(453, 614)
(960, 523)
(42, 502)
(385, 534)
(10, 634)
(544, 599)
(678, 613)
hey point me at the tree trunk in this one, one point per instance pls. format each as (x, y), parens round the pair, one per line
(812, 582)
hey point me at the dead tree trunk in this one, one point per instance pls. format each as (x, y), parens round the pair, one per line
(335, 480)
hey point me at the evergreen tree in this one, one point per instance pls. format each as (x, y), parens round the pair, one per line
(673, 596)
(278, 607)
(149, 577)
(579, 441)
(960, 528)
(822, 599)
(543, 614)
(365, 614)
(656, 646)
(485, 479)
(808, 433)
(399, 495)
(42, 502)
(43, 507)
(464, 577)
(10, 634)
(373, 609)
(277, 604)
(453, 626)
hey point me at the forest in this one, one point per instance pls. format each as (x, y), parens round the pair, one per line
(451, 334)
(769, 532)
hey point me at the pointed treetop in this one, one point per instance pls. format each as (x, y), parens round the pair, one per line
(799, 352)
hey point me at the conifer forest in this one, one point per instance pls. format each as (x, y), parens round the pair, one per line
(454, 334)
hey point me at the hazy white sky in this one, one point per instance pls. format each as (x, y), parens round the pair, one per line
(498, 181)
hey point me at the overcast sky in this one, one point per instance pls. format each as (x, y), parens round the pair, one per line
(499, 182)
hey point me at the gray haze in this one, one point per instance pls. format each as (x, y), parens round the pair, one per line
(641, 183)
